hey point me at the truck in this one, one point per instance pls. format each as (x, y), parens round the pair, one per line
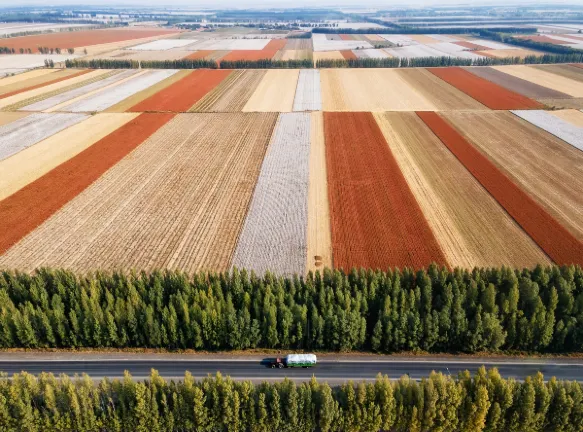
(295, 360)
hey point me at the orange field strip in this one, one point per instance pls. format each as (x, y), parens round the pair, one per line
(484, 91)
(81, 38)
(558, 243)
(268, 52)
(348, 55)
(375, 220)
(198, 55)
(183, 94)
(28, 208)
(473, 46)
(544, 39)
(346, 37)
(22, 90)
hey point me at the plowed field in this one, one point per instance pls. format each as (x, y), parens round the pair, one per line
(375, 220)
(268, 52)
(39, 82)
(9, 117)
(471, 46)
(199, 55)
(545, 79)
(232, 93)
(23, 211)
(178, 202)
(565, 71)
(470, 225)
(486, 92)
(348, 55)
(275, 92)
(557, 242)
(183, 94)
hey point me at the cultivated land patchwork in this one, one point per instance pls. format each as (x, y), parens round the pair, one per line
(545, 79)
(560, 128)
(275, 92)
(308, 91)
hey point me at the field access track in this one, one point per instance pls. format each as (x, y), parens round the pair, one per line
(26, 209)
(375, 220)
(558, 243)
(183, 94)
(485, 92)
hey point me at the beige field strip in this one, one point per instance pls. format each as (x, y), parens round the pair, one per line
(505, 53)
(129, 102)
(275, 92)
(545, 167)
(572, 116)
(470, 226)
(35, 80)
(9, 117)
(319, 253)
(177, 201)
(26, 98)
(443, 95)
(35, 161)
(98, 51)
(545, 79)
(23, 77)
(327, 55)
(299, 54)
(232, 94)
(370, 90)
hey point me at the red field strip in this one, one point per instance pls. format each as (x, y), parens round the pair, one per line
(579, 65)
(25, 210)
(22, 90)
(346, 37)
(472, 46)
(558, 243)
(268, 52)
(183, 94)
(485, 54)
(348, 55)
(375, 220)
(198, 55)
(81, 38)
(484, 91)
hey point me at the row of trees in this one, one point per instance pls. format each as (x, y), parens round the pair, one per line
(49, 63)
(527, 43)
(434, 310)
(267, 64)
(419, 30)
(7, 50)
(189, 64)
(483, 402)
(304, 35)
(46, 50)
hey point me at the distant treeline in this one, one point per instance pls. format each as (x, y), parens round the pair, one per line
(267, 64)
(464, 403)
(305, 35)
(527, 43)
(37, 32)
(189, 64)
(417, 30)
(435, 310)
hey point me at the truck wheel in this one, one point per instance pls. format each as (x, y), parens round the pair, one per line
(272, 366)
(280, 365)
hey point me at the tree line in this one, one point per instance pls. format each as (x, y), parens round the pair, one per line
(419, 30)
(304, 35)
(434, 310)
(465, 403)
(189, 64)
(527, 43)
(267, 64)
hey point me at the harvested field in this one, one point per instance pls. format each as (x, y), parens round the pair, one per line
(319, 253)
(39, 82)
(334, 45)
(202, 54)
(470, 226)
(274, 236)
(268, 52)
(153, 210)
(232, 93)
(217, 55)
(491, 44)
(81, 38)
(370, 90)
(486, 92)
(572, 103)
(170, 54)
(402, 40)
(472, 46)
(275, 92)
(542, 39)
(346, 37)
(518, 85)
(331, 36)
(348, 55)
(27, 131)
(9, 117)
(565, 71)
(308, 91)
(16, 62)
(505, 53)
(545, 79)
(162, 44)
(32, 205)
(415, 51)
(23, 99)
(232, 44)
(80, 92)
(445, 38)
(560, 128)
(572, 116)
(332, 55)
(25, 76)
(374, 38)
(37, 160)
(117, 93)
(138, 97)
(423, 39)
(371, 53)
(99, 50)
(553, 238)
(296, 55)
(298, 44)
(441, 94)
(183, 94)
(375, 220)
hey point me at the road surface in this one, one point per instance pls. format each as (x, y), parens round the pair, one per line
(328, 369)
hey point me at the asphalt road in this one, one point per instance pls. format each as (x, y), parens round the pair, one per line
(326, 370)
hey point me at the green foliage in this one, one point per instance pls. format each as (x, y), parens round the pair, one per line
(527, 43)
(438, 310)
(305, 35)
(267, 64)
(189, 64)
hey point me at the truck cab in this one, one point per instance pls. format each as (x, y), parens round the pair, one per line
(278, 363)
(294, 360)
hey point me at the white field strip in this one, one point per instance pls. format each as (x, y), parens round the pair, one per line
(576, 46)
(23, 133)
(8, 30)
(563, 39)
(415, 51)
(29, 61)
(338, 45)
(491, 44)
(560, 128)
(399, 39)
(453, 50)
(120, 92)
(10, 72)
(308, 91)
(443, 38)
(371, 53)
(163, 44)
(81, 91)
(274, 236)
(232, 44)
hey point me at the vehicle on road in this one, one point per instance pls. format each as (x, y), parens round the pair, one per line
(294, 360)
